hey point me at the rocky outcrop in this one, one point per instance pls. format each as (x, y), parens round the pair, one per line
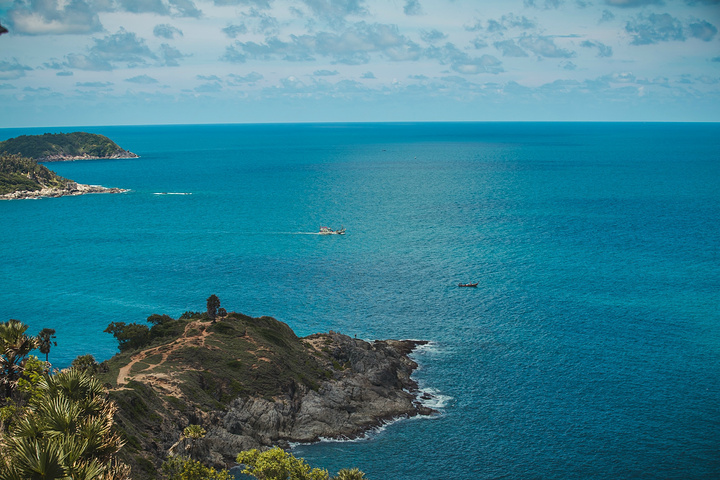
(71, 189)
(373, 386)
(252, 383)
(70, 158)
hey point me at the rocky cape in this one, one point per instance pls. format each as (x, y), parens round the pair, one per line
(251, 383)
(70, 189)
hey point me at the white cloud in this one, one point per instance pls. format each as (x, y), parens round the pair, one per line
(412, 7)
(11, 70)
(53, 17)
(166, 31)
(544, 46)
(142, 80)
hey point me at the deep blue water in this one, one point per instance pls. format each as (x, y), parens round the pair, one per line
(590, 349)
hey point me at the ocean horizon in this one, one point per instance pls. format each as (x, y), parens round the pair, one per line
(589, 349)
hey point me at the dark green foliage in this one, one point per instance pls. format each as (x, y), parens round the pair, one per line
(15, 346)
(165, 326)
(157, 319)
(46, 337)
(87, 363)
(130, 336)
(49, 145)
(234, 364)
(213, 303)
(222, 328)
(179, 468)
(66, 431)
(18, 173)
(191, 315)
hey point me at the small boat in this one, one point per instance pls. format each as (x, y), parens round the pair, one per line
(468, 284)
(330, 231)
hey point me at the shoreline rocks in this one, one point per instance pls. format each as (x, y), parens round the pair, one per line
(374, 387)
(71, 189)
(69, 158)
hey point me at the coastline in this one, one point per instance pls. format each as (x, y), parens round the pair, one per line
(68, 158)
(71, 189)
(374, 392)
(267, 387)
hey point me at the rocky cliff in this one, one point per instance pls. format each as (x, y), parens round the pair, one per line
(251, 383)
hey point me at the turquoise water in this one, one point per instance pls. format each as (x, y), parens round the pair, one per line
(590, 349)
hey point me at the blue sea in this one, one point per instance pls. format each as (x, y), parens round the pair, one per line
(589, 349)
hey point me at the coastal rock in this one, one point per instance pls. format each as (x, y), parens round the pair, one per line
(374, 387)
(296, 390)
(71, 158)
(71, 189)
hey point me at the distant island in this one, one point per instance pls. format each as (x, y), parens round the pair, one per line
(21, 176)
(57, 147)
(250, 383)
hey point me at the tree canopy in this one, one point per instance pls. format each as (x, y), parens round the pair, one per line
(66, 431)
(15, 345)
(20, 173)
(63, 145)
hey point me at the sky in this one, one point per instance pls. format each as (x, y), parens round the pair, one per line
(137, 62)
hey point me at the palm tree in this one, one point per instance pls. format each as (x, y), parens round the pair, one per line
(15, 346)
(193, 432)
(45, 338)
(350, 474)
(67, 432)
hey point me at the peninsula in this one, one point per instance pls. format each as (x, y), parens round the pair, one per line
(21, 176)
(54, 147)
(250, 383)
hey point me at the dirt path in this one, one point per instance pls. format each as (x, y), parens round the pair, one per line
(157, 379)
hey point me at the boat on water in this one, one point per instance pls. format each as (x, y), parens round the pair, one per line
(468, 284)
(330, 231)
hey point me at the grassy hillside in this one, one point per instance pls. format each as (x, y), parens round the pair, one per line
(18, 173)
(193, 367)
(60, 146)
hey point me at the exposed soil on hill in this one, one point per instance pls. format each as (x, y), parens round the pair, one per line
(252, 383)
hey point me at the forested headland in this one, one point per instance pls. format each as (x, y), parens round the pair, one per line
(51, 147)
(187, 398)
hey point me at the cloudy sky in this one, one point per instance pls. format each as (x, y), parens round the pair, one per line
(108, 62)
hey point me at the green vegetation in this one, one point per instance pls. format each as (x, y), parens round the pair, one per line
(274, 464)
(46, 338)
(19, 173)
(66, 431)
(60, 146)
(277, 464)
(132, 336)
(213, 303)
(52, 426)
(64, 425)
(87, 363)
(15, 346)
(206, 366)
(179, 468)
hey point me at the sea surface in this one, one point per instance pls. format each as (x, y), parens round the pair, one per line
(589, 349)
